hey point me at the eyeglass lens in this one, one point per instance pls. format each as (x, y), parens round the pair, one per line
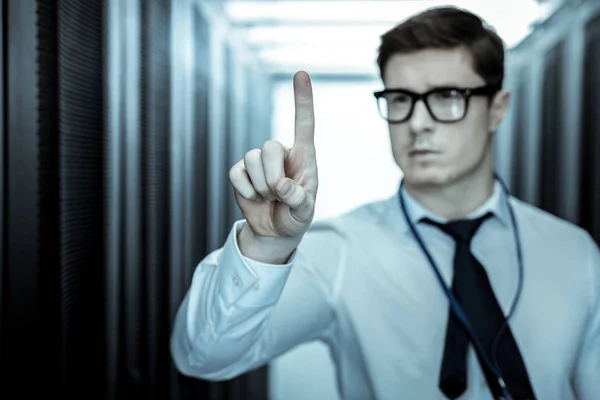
(446, 105)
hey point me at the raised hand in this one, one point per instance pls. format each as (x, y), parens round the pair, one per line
(275, 186)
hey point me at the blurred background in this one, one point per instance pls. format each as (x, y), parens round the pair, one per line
(121, 118)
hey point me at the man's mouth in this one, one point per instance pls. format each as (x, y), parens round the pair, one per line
(421, 152)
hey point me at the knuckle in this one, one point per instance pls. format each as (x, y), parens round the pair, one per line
(304, 100)
(234, 174)
(252, 156)
(271, 145)
(304, 117)
(299, 197)
(237, 176)
(264, 192)
(253, 196)
(272, 180)
(271, 183)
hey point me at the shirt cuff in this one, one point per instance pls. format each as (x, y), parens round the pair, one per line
(247, 282)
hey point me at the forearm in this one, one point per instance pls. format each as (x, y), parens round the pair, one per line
(240, 313)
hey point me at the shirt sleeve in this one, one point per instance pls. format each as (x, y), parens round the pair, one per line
(238, 313)
(587, 370)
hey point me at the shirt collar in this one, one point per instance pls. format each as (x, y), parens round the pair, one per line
(496, 204)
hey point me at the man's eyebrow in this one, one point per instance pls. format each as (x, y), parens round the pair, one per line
(447, 84)
(428, 87)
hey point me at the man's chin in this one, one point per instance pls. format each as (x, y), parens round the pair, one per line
(429, 180)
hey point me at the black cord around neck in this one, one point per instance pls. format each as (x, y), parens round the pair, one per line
(455, 305)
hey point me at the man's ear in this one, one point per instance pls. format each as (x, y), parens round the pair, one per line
(498, 109)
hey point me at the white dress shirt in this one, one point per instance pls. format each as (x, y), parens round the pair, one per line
(361, 284)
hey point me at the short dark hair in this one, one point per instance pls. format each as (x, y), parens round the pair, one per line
(447, 28)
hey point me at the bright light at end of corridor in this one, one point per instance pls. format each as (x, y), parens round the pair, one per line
(291, 35)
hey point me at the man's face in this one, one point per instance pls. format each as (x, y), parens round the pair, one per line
(432, 153)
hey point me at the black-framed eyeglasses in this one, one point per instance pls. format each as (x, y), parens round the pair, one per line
(445, 104)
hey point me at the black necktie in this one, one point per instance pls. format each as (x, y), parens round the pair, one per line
(472, 289)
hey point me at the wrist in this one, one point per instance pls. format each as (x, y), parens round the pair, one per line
(268, 250)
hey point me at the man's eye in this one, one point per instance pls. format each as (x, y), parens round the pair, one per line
(401, 99)
(447, 95)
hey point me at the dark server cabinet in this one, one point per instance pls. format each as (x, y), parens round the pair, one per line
(200, 145)
(109, 156)
(3, 156)
(125, 315)
(82, 170)
(236, 139)
(551, 133)
(194, 225)
(519, 156)
(53, 297)
(138, 291)
(20, 341)
(229, 159)
(155, 164)
(567, 180)
(589, 212)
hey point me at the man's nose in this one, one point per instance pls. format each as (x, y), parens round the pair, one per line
(421, 121)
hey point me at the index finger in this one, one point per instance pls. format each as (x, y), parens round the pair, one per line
(305, 115)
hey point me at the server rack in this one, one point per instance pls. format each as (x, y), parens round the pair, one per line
(589, 212)
(114, 181)
(550, 143)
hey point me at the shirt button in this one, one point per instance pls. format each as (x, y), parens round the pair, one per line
(256, 286)
(211, 332)
(235, 281)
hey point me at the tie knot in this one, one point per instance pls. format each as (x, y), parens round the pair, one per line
(461, 230)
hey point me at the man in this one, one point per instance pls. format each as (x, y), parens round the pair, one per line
(375, 284)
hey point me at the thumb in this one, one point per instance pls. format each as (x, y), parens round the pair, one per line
(296, 198)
